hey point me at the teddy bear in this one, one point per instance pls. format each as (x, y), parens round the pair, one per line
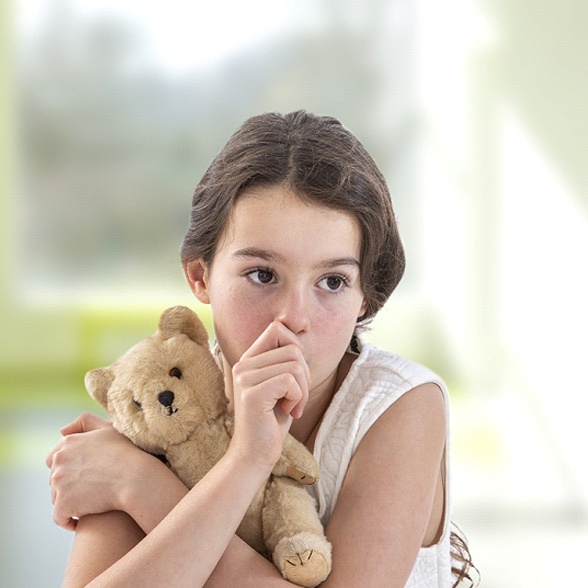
(166, 394)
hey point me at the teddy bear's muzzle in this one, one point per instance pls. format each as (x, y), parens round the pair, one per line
(166, 398)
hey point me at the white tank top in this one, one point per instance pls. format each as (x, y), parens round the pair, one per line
(375, 381)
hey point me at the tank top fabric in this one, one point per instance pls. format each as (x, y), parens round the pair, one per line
(376, 380)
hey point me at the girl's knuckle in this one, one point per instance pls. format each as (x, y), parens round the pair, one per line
(288, 380)
(240, 379)
(298, 370)
(248, 396)
(58, 460)
(66, 443)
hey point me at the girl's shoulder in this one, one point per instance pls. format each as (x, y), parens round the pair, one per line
(376, 380)
(379, 372)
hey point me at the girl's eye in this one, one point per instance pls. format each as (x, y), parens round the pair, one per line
(175, 373)
(261, 276)
(334, 283)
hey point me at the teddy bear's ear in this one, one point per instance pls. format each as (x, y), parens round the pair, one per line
(98, 383)
(181, 319)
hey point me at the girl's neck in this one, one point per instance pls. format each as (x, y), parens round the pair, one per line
(306, 427)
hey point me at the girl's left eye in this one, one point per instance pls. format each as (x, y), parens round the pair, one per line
(334, 283)
(261, 276)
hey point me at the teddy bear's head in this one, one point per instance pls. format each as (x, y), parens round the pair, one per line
(164, 387)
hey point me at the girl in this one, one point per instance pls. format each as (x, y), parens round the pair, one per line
(294, 244)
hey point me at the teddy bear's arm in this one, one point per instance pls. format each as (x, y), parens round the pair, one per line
(296, 462)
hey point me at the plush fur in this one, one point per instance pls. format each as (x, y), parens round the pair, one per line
(166, 394)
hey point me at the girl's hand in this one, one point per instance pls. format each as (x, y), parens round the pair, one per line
(270, 387)
(92, 469)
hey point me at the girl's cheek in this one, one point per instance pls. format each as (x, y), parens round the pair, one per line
(238, 329)
(337, 313)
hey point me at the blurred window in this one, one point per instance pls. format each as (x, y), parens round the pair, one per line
(123, 105)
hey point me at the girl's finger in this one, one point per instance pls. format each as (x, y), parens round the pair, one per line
(272, 364)
(49, 458)
(84, 423)
(275, 335)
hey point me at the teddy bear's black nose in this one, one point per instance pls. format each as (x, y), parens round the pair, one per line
(166, 397)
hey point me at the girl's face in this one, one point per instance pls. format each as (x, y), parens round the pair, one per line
(284, 259)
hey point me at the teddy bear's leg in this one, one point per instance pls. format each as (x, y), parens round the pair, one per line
(294, 534)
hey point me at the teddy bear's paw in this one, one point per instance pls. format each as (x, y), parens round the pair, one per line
(304, 559)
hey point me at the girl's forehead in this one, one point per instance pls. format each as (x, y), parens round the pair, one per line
(277, 215)
(268, 201)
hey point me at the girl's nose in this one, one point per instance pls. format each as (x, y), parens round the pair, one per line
(293, 311)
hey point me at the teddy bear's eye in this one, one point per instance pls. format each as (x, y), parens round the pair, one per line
(138, 404)
(175, 373)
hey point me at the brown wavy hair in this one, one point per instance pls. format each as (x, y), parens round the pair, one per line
(463, 570)
(322, 162)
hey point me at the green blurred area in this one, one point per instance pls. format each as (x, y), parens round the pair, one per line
(47, 353)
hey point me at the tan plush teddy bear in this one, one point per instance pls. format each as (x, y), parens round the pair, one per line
(166, 394)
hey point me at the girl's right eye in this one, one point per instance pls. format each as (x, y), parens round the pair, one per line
(261, 276)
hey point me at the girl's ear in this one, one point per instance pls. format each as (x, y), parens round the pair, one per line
(196, 273)
(362, 309)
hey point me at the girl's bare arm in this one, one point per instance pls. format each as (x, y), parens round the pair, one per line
(390, 505)
(184, 548)
(102, 539)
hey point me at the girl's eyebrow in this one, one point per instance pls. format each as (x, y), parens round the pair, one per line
(254, 252)
(259, 254)
(338, 261)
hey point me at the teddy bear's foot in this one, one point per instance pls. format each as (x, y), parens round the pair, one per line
(306, 569)
(304, 559)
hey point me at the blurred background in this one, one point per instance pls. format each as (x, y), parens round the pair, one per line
(477, 113)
